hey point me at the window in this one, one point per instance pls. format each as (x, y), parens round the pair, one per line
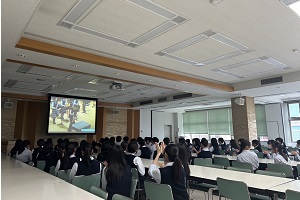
(294, 119)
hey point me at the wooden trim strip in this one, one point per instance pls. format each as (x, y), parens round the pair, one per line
(45, 98)
(42, 47)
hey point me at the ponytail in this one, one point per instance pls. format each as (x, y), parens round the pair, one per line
(173, 154)
(86, 151)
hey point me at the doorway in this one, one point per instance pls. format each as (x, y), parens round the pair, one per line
(168, 131)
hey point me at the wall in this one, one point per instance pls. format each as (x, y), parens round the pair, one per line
(116, 124)
(8, 117)
(145, 123)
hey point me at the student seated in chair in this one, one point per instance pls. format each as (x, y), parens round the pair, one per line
(173, 173)
(296, 153)
(247, 156)
(67, 158)
(145, 151)
(205, 153)
(116, 176)
(134, 161)
(24, 154)
(279, 156)
(87, 165)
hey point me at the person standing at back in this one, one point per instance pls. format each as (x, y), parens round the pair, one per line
(87, 165)
(173, 173)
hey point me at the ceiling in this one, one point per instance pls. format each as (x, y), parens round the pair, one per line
(232, 43)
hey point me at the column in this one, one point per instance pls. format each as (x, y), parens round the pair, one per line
(133, 123)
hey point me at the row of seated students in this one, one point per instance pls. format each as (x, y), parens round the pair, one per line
(115, 161)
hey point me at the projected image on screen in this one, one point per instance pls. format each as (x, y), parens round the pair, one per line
(72, 115)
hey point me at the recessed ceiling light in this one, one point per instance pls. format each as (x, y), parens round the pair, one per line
(149, 80)
(295, 7)
(75, 66)
(116, 74)
(295, 50)
(175, 85)
(21, 55)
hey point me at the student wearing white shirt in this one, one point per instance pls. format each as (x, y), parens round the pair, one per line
(132, 160)
(68, 158)
(24, 154)
(173, 172)
(296, 153)
(247, 156)
(270, 154)
(87, 165)
(118, 140)
(280, 157)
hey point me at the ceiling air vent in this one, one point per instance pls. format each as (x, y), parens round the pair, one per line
(162, 99)
(10, 83)
(24, 68)
(146, 102)
(271, 80)
(181, 96)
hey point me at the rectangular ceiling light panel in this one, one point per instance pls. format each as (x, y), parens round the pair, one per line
(24, 68)
(78, 10)
(10, 83)
(241, 49)
(293, 5)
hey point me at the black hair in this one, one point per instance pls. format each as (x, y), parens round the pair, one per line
(183, 156)
(112, 139)
(257, 145)
(101, 140)
(132, 147)
(279, 147)
(118, 138)
(69, 150)
(82, 143)
(233, 144)
(125, 139)
(188, 141)
(23, 145)
(48, 147)
(49, 140)
(166, 140)
(105, 146)
(182, 140)
(204, 142)
(124, 146)
(221, 140)
(155, 139)
(142, 142)
(298, 142)
(40, 142)
(59, 140)
(86, 153)
(15, 149)
(103, 155)
(76, 144)
(244, 144)
(139, 139)
(197, 142)
(214, 143)
(272, 143)
(279, 139)
(148, 139)
(173, 155)
(241, 139)
(116, 165)
(66, 140)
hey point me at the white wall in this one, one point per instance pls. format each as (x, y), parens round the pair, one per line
(159, 120)
(277, 122)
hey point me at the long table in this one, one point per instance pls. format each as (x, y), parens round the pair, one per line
(20, 181)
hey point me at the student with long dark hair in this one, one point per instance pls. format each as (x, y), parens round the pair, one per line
(279, 156)
(214, 149)
(103, 155)
(173, 173)
(24, 154)
(233, 145)
(280, 140)
(196, 144)
(17, 146)
(257, 146)
(116, 176)
(296, 153)
(67, 158)
(185, 158)
(247, 156)
(222, 143)
(87, 165)
(36, 151)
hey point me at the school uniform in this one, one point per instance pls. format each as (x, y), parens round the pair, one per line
(215, 151)
(81, 169)
(61, 163)
(205, 153)
(165, 176)
(122, 187)
(247, 156)
(135, 162)
(154, 155)
(223, 146)
(297, 157)
(118, 143)
(35, 153)
(278, 159)
(50, 160)
(145, 152)
(25, 156)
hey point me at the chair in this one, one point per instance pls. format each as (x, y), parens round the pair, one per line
(222, 152)
(260, 155)
(155, 191)
(214, 166)
(270, 173)
(99, 192)
(286, 169)
(52, 171)
(135, 174)
(240, 191)
(239, 169)
(298, 170)
(202, 161)
(120, 197)
(292, 195)
(222, 161)
(62, 174)
(242, 165)
(134, 183)
(41, 164)
(86, 182)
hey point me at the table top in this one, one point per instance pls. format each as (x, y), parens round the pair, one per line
(293, 185)
(20, 180)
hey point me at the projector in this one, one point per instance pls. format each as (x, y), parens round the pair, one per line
(240, 101)
(116, 86)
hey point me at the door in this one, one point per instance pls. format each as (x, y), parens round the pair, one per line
(168, 132)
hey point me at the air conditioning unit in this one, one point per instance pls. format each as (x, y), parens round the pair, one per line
(116, 86)
(8, 105)
(240, 101)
